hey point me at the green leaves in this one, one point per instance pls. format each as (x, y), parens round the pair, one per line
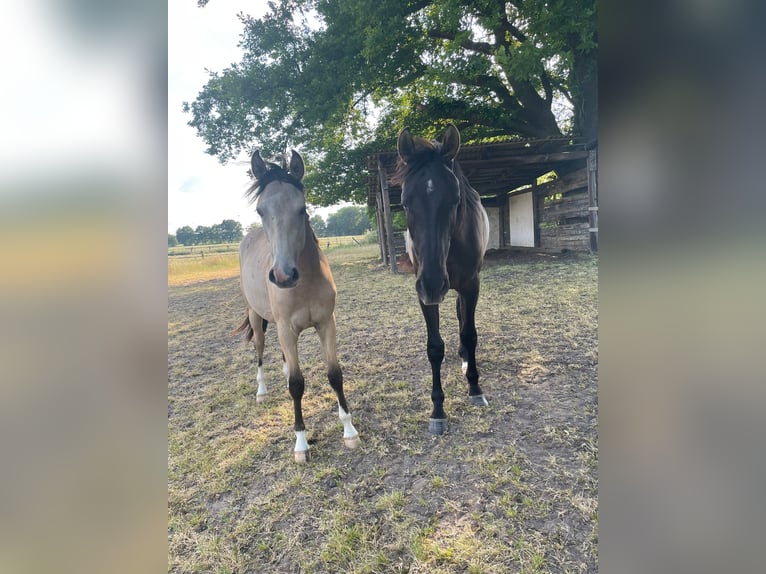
(338, 79)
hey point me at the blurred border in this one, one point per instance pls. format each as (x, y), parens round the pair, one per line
(83, 289)
(681, 275)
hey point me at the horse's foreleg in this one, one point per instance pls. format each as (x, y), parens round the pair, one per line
(288, 340)
(285, 370)
(327, 338)
(258, 325)
(467, 306)
(435, 350)
(462, 353)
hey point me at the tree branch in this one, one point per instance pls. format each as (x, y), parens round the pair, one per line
(546, 81)
(494, 84)
(506, 26)
(481, 47)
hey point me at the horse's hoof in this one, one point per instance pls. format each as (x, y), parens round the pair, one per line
(437, 426)
(478, 400)
(352, 442)
(301, 456)
(260, 398)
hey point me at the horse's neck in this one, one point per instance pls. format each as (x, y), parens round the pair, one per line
(310, 255)
(467, 193)
(469, 197)
(469, 215)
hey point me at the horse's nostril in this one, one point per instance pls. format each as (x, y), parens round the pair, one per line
(295, 274)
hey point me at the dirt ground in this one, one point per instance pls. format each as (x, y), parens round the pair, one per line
(511, 487)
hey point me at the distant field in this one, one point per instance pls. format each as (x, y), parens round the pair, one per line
(189, 270)
(191, 264)
(198, 250)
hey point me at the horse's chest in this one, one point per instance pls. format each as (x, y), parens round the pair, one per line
(305, 306)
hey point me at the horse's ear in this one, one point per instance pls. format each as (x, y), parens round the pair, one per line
(258, 166)
(296, 165)
(451, 142)
(405, 145)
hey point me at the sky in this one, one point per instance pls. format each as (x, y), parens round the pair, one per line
(202, 191)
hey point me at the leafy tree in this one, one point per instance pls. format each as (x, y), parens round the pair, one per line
(339, 79)
(228, 231)
(172, 241)
(350, 220)
(318, 225)
(185, 235)
(202, 235)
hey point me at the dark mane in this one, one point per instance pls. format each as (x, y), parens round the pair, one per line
(275, 173)
(427, 152)
(469, 197)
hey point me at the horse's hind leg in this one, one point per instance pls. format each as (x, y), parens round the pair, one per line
(258, 325)
(327, 337)
(467, 308)
(289, 343)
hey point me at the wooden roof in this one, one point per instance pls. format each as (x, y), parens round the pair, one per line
(492, 169)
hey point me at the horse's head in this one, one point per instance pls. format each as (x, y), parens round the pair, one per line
(430, 197)
(281, 204)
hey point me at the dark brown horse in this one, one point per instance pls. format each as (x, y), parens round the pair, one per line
(286, 279)
(447, 235)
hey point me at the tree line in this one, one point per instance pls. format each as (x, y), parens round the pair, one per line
(350, 220)
(228, 231)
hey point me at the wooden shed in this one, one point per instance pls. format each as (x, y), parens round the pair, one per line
(554, 216)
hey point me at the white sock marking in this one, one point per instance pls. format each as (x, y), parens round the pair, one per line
(300, 441)
(348, 429)
(464, 367)
(262, 390)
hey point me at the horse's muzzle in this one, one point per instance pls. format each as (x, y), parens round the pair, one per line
(283, 280)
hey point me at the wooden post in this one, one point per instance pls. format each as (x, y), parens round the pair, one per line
(593, 198)
(536, 213)
(381, 233)
(387, 215)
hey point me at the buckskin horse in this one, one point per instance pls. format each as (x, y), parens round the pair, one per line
(286, 279)
(446, 238)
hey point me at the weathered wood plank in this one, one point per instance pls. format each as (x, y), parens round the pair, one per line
(569, 182)
(387, 215)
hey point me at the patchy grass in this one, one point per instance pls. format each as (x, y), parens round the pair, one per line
(508, 488)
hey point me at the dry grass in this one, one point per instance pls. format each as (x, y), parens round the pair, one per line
(508, 488)
(188, 270)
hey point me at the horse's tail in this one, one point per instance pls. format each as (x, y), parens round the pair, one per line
(245, 327)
